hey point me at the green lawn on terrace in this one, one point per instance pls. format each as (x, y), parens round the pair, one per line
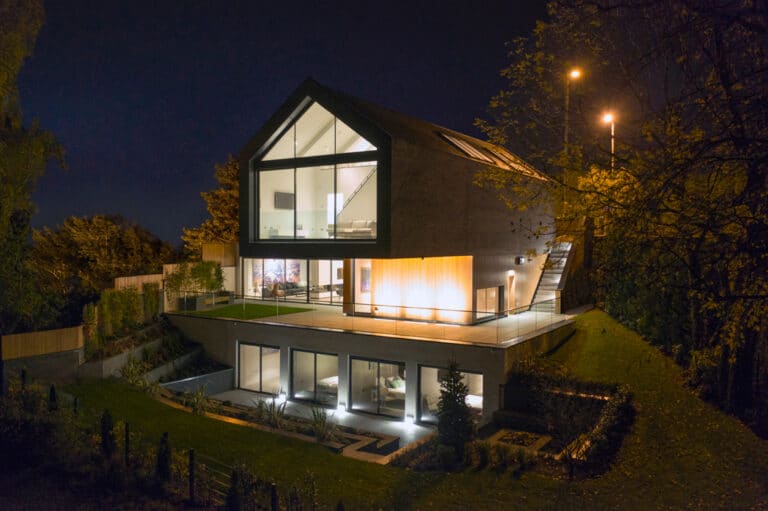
(680, 454)
(249, 311)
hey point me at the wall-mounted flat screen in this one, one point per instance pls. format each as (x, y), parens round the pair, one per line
(284, 200)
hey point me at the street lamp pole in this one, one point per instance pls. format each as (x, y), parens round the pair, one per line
(573, 74)
(609, 119)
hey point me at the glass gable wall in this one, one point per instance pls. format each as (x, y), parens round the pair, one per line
(335, 200)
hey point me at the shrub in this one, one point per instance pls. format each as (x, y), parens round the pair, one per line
(133, 371)
(240, 494)
(275, 413)
(108, 446)
(321, 428)
(499, 457)
(150, 295)
(446, 456)
(482, 452)
(198, 401)
(163, 465)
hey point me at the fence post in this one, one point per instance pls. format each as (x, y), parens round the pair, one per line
(192, 476)
(273, 497)
(75, 404)
(127, 441)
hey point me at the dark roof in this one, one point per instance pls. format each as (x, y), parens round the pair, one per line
(432, 136)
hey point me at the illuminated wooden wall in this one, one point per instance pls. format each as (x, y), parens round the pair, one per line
(430, 289)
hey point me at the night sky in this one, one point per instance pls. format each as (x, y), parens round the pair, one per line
(147, 96)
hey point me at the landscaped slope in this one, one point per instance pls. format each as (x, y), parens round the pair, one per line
(680, 454)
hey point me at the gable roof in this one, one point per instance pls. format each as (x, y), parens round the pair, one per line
(394, 124)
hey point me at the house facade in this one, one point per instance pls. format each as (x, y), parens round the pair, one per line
(373, 218)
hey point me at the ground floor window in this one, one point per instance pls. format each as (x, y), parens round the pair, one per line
(429, 381)
(259, 368)
(378, 387)
(315, 377)
(294, 280)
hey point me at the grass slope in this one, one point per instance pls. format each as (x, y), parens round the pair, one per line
(249, 311)
(681, 453)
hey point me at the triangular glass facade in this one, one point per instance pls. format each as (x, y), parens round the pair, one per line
(316, 133)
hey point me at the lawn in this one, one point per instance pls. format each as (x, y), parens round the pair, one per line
(249, 311)
(681, 453)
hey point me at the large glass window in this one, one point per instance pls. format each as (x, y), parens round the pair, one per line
(315, 202)
(326, 280)
(331, 200)
(277, 201)
(317, 133)
(356, 190)
(378, 387)
(259, 368)
(429, 382)
(315, 377)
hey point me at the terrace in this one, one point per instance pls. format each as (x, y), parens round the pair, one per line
(518, 326)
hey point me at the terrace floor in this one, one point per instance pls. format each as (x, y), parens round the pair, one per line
(503, 332)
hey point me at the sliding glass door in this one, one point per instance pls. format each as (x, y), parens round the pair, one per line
(378, 387)
(259, 368)
(315, 377)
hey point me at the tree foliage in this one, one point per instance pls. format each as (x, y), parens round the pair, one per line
(223, 207)
(684, 259)
(455, 426)
(96, 249)
(24, 153)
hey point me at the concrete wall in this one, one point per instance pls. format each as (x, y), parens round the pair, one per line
(113, 365)
(54, 366)
(179, 363)
(537, 345)
(214, 383)
(220, 339)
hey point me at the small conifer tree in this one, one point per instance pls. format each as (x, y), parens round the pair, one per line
(455, 426)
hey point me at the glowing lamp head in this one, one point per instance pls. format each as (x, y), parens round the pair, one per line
(608, 118)
(574, 74)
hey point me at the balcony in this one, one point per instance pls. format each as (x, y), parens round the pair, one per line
(510, 328)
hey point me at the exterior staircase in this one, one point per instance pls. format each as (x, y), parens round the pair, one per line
(544, 297)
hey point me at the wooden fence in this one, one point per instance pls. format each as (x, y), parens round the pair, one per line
(41, 343)
(136, 281)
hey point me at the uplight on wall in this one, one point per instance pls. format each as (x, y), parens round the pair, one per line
(520, 260)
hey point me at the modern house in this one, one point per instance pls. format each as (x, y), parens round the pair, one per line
(373, 218)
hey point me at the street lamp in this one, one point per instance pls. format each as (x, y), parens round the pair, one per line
(573, 74)
(609, 119)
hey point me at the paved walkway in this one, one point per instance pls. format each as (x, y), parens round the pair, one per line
(501, 332)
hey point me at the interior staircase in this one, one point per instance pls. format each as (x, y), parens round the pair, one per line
(357, 190)
(544, 297)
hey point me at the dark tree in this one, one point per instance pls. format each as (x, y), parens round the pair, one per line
(163, 466)
(108, 444)
(455, 426)
(53, 402)
(683, 216)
